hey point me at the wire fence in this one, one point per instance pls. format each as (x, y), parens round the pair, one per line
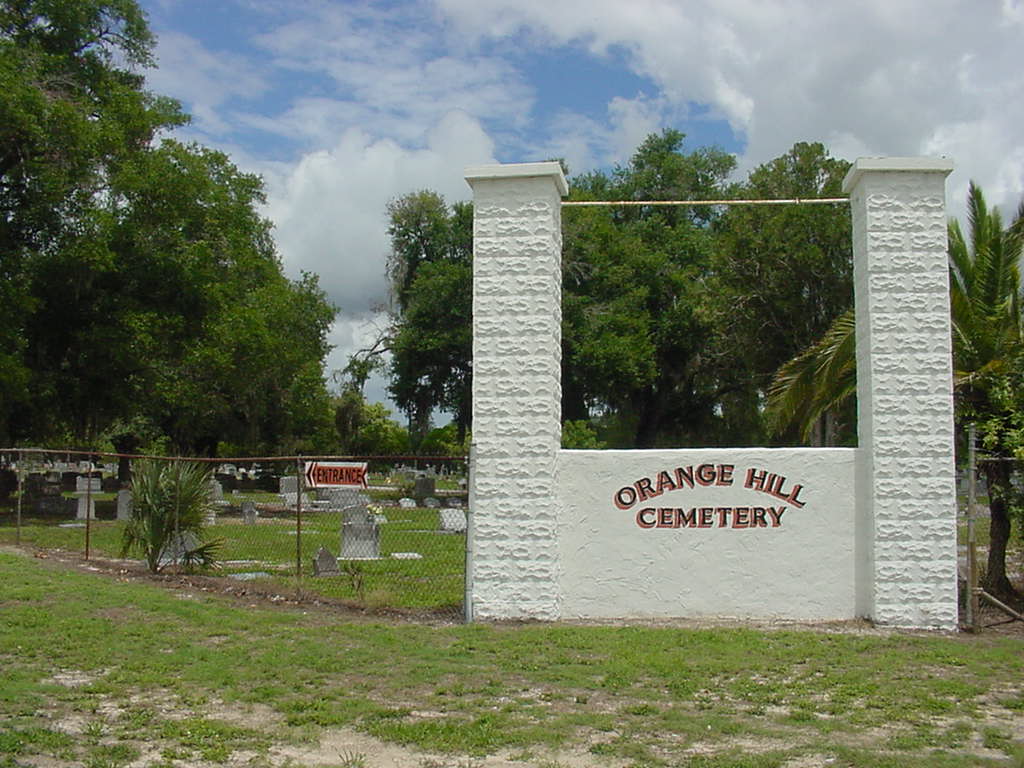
(376, 532)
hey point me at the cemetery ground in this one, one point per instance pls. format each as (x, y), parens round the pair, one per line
(104, 668)
(420, 567)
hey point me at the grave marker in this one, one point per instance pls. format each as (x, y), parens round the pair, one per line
(325, 564)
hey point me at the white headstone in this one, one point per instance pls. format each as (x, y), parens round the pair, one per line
(124, 504)
(407, 503)
(86, 508)
(249, 513)
(87, 484)
(453, 520)
(216, 490)
(360, 535)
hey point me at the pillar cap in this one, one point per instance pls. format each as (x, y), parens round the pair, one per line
(864, 165)
(519, 171)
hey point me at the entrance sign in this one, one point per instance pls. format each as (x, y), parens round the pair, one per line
(331, 474)
(800, 533)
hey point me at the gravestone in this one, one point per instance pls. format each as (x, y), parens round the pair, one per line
(180, 544)
(453, 520)
(289, 499)
(210, 518)
(407, 503)
(53, 506)
(249, 513)
(86, 508)
(325, 564)
(216, 491)
(455, 501)
(360, 535)
(340, 498)
(288, 484)
(88, 484)
(124, 504)
(424, 486)
(431, 502)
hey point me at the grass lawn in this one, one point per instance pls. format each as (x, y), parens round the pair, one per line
(102, 673)
(431, 578)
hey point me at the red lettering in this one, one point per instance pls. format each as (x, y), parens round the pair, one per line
(684, 474)
(641, 517)
(724, 474)
(625, 497)
(664, 483)
(706, 474)
(643, 489)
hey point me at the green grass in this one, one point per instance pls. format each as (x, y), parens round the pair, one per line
(432, 582)
(172, 668)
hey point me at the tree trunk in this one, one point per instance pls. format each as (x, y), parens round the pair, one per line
(652, 408)
(995, 581)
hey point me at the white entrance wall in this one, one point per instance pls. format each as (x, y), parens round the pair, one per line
(869, 532)
(721, 544)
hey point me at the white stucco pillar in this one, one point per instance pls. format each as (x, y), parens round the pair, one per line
(906, 487)
(517, 323)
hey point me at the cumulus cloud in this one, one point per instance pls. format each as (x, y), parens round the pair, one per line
(203, 79)
(330, 217)
(354, 104)
(878, 77)
(330, 208)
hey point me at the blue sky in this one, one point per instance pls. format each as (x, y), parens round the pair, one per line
(344, 105)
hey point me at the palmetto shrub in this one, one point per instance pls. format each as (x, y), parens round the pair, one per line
(170, 502)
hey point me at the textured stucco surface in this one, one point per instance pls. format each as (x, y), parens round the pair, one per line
(876, 534)
(802, 569)
(907, 542)
(517, 316)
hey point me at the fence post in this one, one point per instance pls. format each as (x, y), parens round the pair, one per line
(972, 562)
(88, 502)
(21, 490)
(298, 516)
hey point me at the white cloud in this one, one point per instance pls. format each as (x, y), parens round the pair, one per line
(204, 80)
(330, 210)
(880, 77)
(390, 72)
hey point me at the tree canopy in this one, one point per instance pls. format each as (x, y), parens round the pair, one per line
(660, 303)
(141, 289)
(988, 362)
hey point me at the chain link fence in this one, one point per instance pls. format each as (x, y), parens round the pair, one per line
(976, 537)
(395, 540)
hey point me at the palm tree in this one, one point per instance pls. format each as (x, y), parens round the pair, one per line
(985, 307)
(170, 502)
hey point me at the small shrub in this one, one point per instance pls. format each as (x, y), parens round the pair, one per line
(170, 501)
